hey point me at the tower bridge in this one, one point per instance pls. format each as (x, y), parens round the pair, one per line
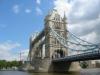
(50, 50)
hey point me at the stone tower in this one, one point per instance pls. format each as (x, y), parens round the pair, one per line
(52, 46)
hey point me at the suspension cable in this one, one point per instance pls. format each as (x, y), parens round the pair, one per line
(58, 37)
(80, 39)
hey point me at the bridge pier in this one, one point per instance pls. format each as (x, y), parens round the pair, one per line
(46, 65)
(74, 67)
(65, 67)
(41, 65)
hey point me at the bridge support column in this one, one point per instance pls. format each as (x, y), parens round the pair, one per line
(65, 67)
(74, 67)
(46, 65)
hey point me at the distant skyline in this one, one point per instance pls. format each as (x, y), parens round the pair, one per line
(19, 19)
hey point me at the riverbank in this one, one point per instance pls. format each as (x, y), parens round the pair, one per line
(93, 71)
(9, 70)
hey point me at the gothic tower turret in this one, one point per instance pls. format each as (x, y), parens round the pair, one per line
(52, 45)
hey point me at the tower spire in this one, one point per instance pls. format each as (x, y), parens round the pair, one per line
(64, 17)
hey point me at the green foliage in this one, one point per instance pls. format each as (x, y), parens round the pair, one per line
(84, 64)
(9, 64)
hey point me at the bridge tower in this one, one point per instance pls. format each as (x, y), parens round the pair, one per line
(53, 48)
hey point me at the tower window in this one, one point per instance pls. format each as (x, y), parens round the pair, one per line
(57, 26)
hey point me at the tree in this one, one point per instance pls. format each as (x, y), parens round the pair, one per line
(9, 64)
(84, 64)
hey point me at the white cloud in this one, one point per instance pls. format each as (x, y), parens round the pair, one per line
(24, 54)
(38, 11)
(8, 51)
(16, 9)
(28, 11)
(83, 17)
(62, 6)
(38, 2)
(83, 10)
(90, 37)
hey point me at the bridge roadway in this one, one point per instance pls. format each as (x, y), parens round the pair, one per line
(79, 57)
(41, 34)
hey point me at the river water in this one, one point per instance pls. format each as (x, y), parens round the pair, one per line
(82, 72)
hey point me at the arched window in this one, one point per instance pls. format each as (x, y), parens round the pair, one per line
(59, 53)
(57, 25)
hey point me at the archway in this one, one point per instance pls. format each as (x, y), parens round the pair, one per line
(59, 53)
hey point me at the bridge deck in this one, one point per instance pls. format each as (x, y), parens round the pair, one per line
(80, 57)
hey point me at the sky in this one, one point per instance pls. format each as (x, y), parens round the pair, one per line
(19, 19)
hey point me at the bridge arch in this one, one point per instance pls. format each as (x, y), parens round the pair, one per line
(59, 53)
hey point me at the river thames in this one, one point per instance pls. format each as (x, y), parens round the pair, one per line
(82, 72)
